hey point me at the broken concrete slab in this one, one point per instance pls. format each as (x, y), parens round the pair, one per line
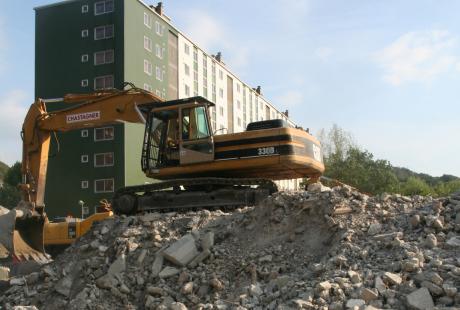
(118, 266)
(157, 264)
(420, 299)
(168, 272)
(182, 252)
(207, 241)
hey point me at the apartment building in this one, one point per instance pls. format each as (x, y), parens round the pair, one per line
(85, 45)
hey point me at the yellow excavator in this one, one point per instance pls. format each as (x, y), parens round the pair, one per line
(197, 168)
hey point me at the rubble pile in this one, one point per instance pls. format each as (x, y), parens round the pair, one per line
(318, 249)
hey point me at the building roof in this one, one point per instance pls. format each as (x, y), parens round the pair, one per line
(55, 4)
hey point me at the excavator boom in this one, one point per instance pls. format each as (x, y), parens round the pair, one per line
(22, 229)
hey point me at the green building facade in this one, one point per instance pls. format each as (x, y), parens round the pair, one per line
(84, 45)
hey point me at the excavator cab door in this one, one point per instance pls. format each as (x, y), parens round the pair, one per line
(196, 143)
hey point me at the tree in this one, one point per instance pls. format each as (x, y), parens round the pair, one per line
(9, 193)
(13, 175)
(416, 186)
(359, 169)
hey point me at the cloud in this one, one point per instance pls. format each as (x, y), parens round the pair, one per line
(324, 53)
(290, 98)
(11, 119)
(418, 57)
(213, 36)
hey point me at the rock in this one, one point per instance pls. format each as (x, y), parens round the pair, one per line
(168, 272)
(374, 229)
(4, 273)
(369, 295)
(199, 258)
(177, 306)
(155, 291)
(392, 278)
(454, 242)
(187, 288)
(216, 284)
(437, 224)
(17, 281)
(435, 278)
(431, 241)
(255, 290)
(118, 266)
(414, 221)
(182, 252)
(106, 282)
(157, 264)
(352, 303)
(380, 285)
(323, 286)
(64, 285)
(207, 241)
(354, 277)
(318, 188)
(141, 257)
(449, 289)
(150, 217)
(433, 288)
(420, 299)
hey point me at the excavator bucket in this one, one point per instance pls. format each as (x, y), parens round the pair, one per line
(21, 234)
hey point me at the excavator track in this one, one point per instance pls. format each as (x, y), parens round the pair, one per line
(192, 193)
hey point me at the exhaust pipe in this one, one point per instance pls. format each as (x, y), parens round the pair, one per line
(21, 234)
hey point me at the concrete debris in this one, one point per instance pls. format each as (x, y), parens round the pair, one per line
(420, 299)
(325, 248)
(182, 252)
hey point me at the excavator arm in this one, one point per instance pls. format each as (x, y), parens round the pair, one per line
(23, 237)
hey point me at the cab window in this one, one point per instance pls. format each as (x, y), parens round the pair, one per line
(194, 124)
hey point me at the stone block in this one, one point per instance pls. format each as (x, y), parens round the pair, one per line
(182, 252)
(420, 299)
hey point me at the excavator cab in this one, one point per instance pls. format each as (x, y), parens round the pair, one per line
(177, 133)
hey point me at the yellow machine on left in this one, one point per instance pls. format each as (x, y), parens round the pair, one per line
(25, 229)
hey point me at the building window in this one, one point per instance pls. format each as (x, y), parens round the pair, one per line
(84, 158)
(158, 73)
(221, 75)
(186, 49)
(147, 67)
(158, 51)
(221, 111)
(186, 69)
(84, 33)
(238, 87)
(103, 7)
(147, 87)
(103, 186)
(84, 83)
(147, 43)
(102, 82)
(84, 184)
(103, 32)
(104, 133)
(221, 93)
(158, 93)
(84, 8)
(159, 29)
(84, 58)
(187, 90)
(147, 20)
(238, 104)
(84, 133)
(103, 57)
(103, 159)
(239, 122)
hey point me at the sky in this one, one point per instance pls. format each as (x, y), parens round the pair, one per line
(386, 71)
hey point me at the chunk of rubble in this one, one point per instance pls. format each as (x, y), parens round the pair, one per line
(420, 299)
(182, 252)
